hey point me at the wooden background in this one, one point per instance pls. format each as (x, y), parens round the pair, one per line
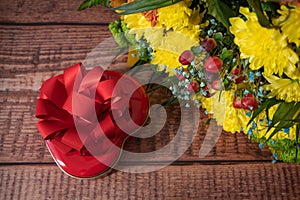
(39, 39)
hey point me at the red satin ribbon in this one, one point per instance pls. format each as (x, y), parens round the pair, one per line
(54, 109)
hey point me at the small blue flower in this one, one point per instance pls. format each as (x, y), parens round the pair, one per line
(249, 132)
(246, 92)
(261, 146)
(186, 75)
(274, 161)
(196, 101)
(193, 63)
(269, 122)
(206, 112)
(210, 32)
(212, 21)
(202, 84)
(258, 74)
(251, 77)
(248, 114)
(233, 94)
(286, 130)
(200, 75)
(186, 97)
(275, 156)
(204, 93)
(233, 60)
(254, 125)
(192, 71)
(272, 142)
(259, 94)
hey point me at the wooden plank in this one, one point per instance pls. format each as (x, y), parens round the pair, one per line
(241, 181)
(36, 49)
(26, 62)
(31, 54)
(20, 141)
(55, 11)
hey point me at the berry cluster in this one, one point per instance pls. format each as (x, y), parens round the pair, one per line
(204, 74)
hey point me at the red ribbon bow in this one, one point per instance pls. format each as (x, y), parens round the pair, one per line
(57, 114)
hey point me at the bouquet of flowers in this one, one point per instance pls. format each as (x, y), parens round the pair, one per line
(239, 60)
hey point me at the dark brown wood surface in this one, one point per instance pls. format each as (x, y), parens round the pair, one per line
(39, 39)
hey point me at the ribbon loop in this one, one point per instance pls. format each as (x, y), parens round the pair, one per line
(56, 111)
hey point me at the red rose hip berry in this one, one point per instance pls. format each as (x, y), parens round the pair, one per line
(209, 44)
(237, 76)
(213, 64)
(193, 87)
(237, 102)
(186, 57)
(250, 102)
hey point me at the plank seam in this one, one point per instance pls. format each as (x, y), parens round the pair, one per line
(4, 23)
(176, 163)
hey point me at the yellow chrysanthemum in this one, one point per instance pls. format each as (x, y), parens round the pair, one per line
(289, 23)
(177, 29)
(287, 89)
(163, 59)
(264, 47)
(180, 18)
(220, 105)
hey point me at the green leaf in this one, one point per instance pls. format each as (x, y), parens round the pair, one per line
(283, 117)
(262, 19)
(280, 126)
(285, 111)
(267, 104)
(220, 11)
(144, 5)
(297, 141)
(226, 53)
(218, 37)
(90, 3)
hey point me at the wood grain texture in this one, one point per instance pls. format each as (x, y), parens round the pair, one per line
(241, 181)
(21, 141)
(54, 11)
(31, 54)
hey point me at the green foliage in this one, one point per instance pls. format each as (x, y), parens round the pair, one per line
(143, 5)
(121, 33)
(220, 11)
(226, 53)
(284, 116)
(90, 3)
(262, 19)
(265, 106)
(118, 33)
